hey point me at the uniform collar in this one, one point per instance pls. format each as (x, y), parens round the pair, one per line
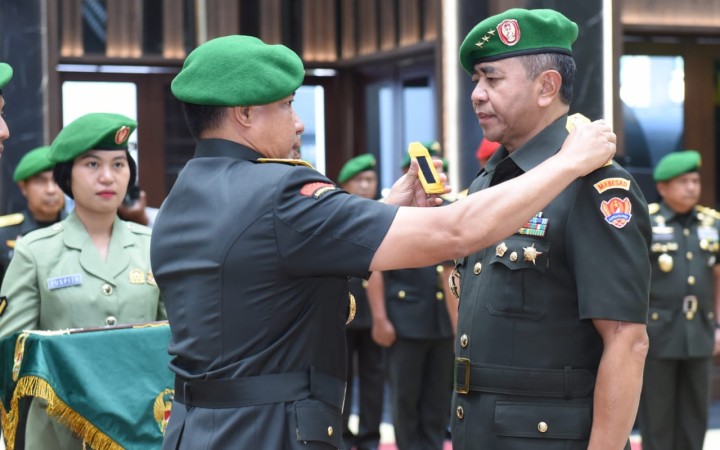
(669, 214)
(539, 148)
(207, 148)
(76, 236)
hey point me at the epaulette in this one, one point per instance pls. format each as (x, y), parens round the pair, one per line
(708, 211)
(653, 208)
(292, 162)
(138, 228)
(11, 219)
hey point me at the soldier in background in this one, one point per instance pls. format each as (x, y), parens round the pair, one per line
(684, 304)
(45, 202)
(414, 316)
(365, 357)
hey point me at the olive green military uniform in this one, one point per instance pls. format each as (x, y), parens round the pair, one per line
(57, 280)
(526, 351)
(12, 228)
(681, 326)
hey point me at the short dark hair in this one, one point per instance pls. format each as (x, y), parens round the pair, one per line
(201, 118)
(564, 64)
(62, 172)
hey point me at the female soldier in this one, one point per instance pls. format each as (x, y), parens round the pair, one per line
(92, 268)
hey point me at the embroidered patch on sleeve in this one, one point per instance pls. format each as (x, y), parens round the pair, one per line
(612, 183)
(617, 211)
(3, 304)
(318, 189)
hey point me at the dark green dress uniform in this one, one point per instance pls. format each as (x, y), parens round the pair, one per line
(253, 261)
(527, 352)
(681, 326)
(13, 227)
(370, 371)
(420, 359)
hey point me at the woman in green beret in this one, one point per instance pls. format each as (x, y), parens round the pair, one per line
(91, 269)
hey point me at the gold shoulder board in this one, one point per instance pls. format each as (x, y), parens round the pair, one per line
(294, 162)
(708, 211)
(653, 208)
(11, 219)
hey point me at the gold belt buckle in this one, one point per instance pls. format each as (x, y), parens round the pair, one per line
(690, 306)
(466, 387)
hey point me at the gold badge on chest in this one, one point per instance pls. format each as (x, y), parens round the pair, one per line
(137, 276)
(665, 262)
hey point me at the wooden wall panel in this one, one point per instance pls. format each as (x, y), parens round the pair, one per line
(124, 28)
(431, 19)
(367, 27)
(696, 13)
(173, 30)
(270, 21)
(409, 22)
(319, 30)
(388, 24)
(71, 41)
(348, 22)
(222, 18)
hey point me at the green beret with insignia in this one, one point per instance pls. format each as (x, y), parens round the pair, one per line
(517, 32)
(238, 71)
(94, 131)
(433, 148)
(675, 164)
(355, 166)
(34, 162)
(6, 73)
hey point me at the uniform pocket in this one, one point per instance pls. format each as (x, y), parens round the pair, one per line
(517, 285)
(318, 422)
(543, 420)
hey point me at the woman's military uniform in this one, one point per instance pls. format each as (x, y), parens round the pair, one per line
(681, 326)
(253, 257)
(527, 352)
(57, 280)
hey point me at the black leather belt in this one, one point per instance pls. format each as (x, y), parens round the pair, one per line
(560, 383)
(260, 390)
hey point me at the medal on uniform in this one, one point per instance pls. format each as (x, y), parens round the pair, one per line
(137, 276)
(665, 262)
(530, 253)
(500, 250)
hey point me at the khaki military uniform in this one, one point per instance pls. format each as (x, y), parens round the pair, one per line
(57, 280)
(681, 326)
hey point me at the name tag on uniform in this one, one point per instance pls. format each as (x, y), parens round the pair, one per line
(66, 281)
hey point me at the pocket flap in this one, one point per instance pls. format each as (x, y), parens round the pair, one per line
(543, 420)
(522, 252)
(318, 422)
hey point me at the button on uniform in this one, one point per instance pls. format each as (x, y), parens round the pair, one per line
(401, 295)
(464, 341)
(460, 412)
(110, 320)
(477, 268)
(542, 427)
(107, 289)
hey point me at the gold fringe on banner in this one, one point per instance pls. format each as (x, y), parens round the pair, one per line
(32, 386)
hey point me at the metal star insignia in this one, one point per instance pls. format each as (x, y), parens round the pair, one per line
(531, 253)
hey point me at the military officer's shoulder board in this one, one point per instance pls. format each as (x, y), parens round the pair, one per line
(11, 219)
(708, 211)
(292, 162)
(43, 233)
(654, 208)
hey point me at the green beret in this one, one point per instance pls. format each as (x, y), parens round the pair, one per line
(675, 164)
(355, 166)
(433, 148)
(238, 71)
(517, 32)
(94, 131)
(34, 162)
(6, 73)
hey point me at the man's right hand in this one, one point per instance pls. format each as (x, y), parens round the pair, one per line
(589, 146)
(383, 332)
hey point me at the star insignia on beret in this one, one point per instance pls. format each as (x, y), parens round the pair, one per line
(491, 32)
(531, 253)
(479, 44)
(486, 38)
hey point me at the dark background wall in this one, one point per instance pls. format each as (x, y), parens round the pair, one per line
(21, 25)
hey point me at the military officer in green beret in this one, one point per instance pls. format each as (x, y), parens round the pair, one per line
(89, 270)
(365, 359)
(551, 338)
(684, 303)
(252, 250)
(45, 202)
(6, 73)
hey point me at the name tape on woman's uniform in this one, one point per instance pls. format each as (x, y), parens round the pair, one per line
(65, 281)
